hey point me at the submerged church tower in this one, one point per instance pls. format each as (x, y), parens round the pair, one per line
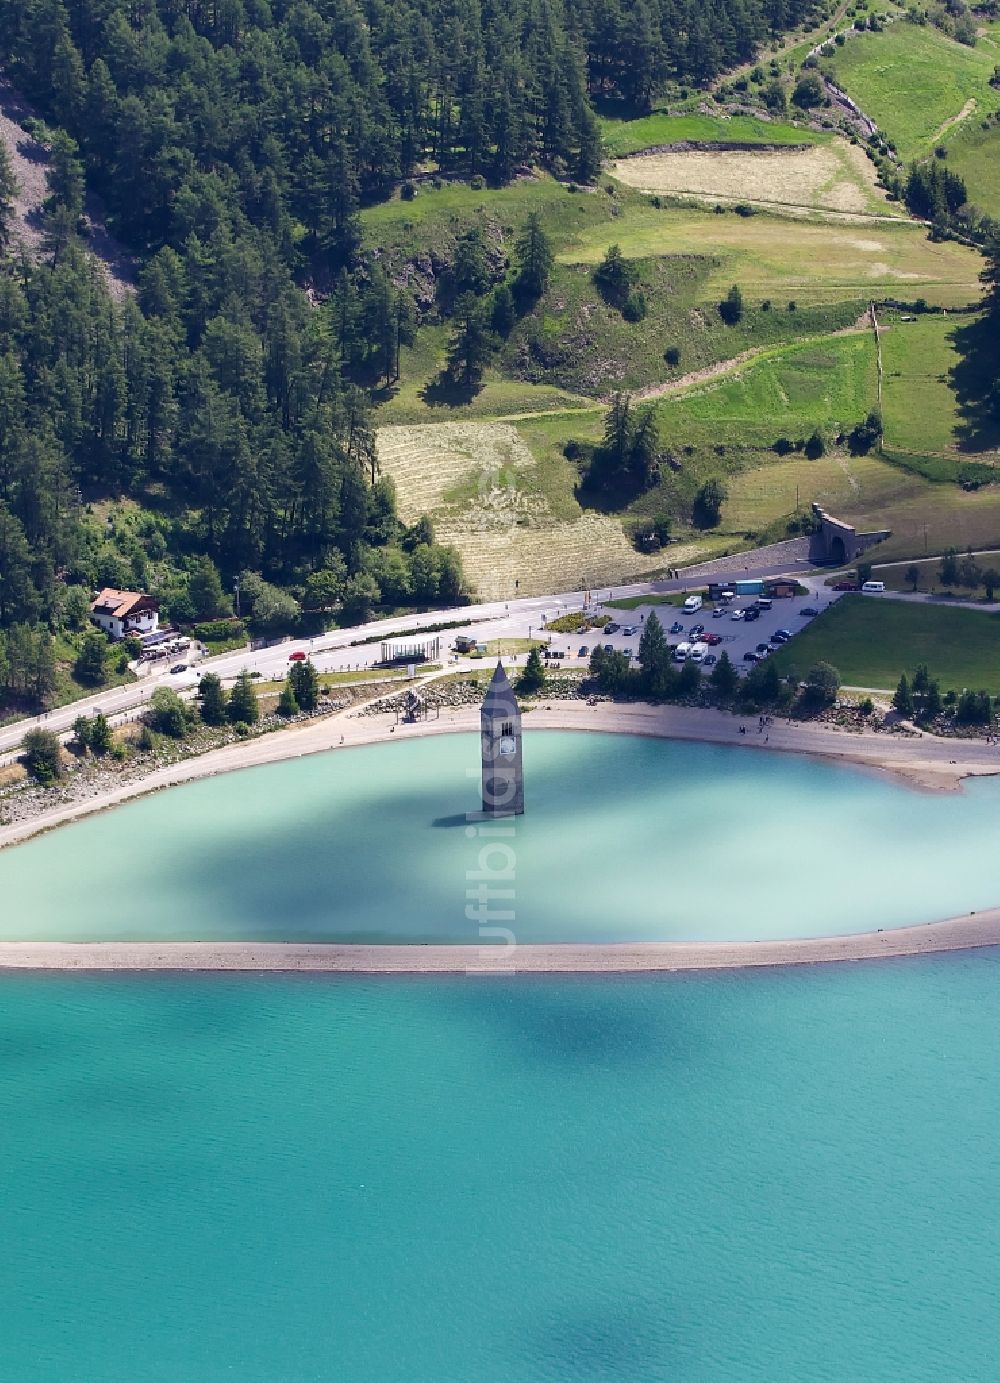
(503, 774)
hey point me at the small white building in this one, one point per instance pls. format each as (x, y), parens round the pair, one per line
(121, 613)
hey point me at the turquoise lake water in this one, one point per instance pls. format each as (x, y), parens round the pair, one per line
(624, 838)
(737, 1178)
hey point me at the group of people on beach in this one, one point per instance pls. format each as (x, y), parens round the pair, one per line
(762, 727)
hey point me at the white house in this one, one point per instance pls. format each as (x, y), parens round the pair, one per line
(120, 613)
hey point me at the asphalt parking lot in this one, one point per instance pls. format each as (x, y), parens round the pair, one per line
(737, 636)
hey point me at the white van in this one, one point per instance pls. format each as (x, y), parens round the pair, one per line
(681, 652)
(698, 652)
(693, 602)
(873, 587)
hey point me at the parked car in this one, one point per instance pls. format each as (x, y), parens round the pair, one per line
(845, 586)
(583, 651)
(763, 648)
(677, 627)
(808, 611)
(712, 639)
(751, 657)
(751, 613)
(709, 659)
(297, 657)
(737, 614)
(783, 634)
(697, 629)
(179, 667)
(719, 612)
(609, 648)
(609, 628)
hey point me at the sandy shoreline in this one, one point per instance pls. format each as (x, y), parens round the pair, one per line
(923, 762)
(955, 934)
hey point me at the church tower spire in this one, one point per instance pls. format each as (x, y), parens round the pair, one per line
(503, 774)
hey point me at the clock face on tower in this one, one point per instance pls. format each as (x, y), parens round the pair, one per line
(507, 745)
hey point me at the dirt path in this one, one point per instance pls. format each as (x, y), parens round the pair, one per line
(954, 120)
(29, 164)
(725, 367)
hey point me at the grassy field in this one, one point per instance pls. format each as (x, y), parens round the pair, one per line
(918, 404)
(826, 383)
(872, 641)
(912, 80)
(784, 258)
(921, 410)
(834, 176)
(578, 341)
(974, 153)
(623, 137)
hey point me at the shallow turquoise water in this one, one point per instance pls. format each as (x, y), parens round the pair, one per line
(624, 838)
(727, 1179)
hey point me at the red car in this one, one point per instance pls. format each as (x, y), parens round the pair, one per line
(712, 639)
(845, 586)
(298, 657)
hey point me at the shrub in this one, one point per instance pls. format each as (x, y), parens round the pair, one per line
(672, 356)
(408, 191)
(219, 630)
(43, 756)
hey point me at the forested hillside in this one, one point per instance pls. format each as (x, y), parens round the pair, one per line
(224, 413)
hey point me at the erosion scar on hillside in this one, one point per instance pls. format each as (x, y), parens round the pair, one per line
(29, 163)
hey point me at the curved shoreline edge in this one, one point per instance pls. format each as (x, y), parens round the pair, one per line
(924, 762)
(972, 932)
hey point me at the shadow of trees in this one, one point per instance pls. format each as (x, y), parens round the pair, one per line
(975, 380)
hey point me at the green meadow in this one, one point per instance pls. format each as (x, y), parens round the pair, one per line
(872, 640)
(913, 80)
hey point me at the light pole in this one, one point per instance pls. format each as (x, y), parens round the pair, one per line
(236, 589)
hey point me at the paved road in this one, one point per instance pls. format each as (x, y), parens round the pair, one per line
(358, 648)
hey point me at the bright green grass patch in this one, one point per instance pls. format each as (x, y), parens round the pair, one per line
(827, 384)
(623, 137)
(871, 641)
(911, 79)
(786, 258)
(918, 403)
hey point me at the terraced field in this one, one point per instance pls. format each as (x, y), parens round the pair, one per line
(833, 176)
(516, 531)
